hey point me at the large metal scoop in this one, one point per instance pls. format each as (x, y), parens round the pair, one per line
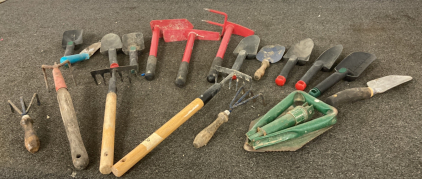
(71, 38)
(157, 27)
(132, 44)
(268, 54)
(325, 61)
(190, 35)
(297, 54)
(350, 68)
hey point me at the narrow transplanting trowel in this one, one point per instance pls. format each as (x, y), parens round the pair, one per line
(325, 61)
(297, 54)
(376, 86)
(132, 44)
(268, 54)
(350, 68)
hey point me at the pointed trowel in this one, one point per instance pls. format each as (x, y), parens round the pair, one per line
(268, 54)
(376, 86)
(324, 62)
(297, 54)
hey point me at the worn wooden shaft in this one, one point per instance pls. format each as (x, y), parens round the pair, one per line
(133, 157)
(107, 147)
(77, 147)
(206, 134)
(261, 71)
(32, 143)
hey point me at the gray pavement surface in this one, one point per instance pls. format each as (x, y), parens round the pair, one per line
(375, 138)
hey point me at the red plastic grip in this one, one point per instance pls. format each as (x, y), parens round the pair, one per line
(300, 85)
(154, 41)
(280, 80)
(58, 79)
(224, 42)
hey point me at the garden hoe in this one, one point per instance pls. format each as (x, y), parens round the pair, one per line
(133, 43)
(77, 148)
(157, 27)
(133, 157)
(190, 35)
(325, 61)
(32, 143)
(110, 44)
(229, 28)
(268, 54)
(206, 134)
(71, 38)
(350, 68)
(297, 54)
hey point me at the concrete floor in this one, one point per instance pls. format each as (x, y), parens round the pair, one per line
(375, 138)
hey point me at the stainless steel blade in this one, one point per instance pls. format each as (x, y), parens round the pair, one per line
(385, 83)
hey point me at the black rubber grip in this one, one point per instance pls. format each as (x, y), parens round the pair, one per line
(182, 74)
(112, 56)
(349, 95)
(213, 72)
(150, 71)
(210, 93)
(69, 49)
(311, 72)
(329, 81)
(289, 66)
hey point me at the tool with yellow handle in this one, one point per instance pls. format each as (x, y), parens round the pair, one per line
(206, 134)
(77, 148)
(32, 143)
(133, 157)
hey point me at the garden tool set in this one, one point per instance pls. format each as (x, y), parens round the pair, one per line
(32, 143)
(157, 27)
(229, 28)
(190, 35)
(297, 119)
(268, 54)
(77, 147)
(206, 134)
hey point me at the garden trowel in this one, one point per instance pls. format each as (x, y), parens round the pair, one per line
(297, 54)
(247, 48)
(71, 38)
(376, 86)
(268, 54)
(133, 43)
(325, 61)
(350, 68)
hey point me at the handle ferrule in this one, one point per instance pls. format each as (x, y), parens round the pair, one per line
(206, 134)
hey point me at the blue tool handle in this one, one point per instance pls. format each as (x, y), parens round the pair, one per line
(75, 58)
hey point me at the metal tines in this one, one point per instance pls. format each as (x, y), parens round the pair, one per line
(117, 70)
(56, 66)
(248, 95)
(233, 75)
(25, 109)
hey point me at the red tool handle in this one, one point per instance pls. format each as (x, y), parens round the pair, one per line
(225, 41)
(154, 41)
(58, 79)
(189, 47)
(184, 66)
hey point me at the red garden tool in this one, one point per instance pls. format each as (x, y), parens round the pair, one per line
(157, 27)
(32, 143)
(190, 35)
(229, 28)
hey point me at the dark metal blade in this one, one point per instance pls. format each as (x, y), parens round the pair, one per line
(110, 41)
(301, 50)
(74, 36)
(135, 39)
(330, 56)
(272, 53)
(356, 63)
(249, 44)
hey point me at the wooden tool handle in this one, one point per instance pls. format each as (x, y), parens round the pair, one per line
(107, 147)
(32, 143)
(127, 162)
(77, 147)
(206, 134)
(349, 95)
(261, 71)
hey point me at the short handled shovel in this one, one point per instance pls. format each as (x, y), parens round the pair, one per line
(325, 61)
(71, 38)
(268, 54)
(133, 43)
(190, 35)
(349, 68)
(157, 27)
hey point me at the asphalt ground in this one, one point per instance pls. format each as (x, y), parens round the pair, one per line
(375, 138)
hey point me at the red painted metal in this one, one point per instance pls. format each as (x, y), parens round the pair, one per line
(58, 79)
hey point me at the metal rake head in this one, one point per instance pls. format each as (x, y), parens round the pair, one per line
(233, 75)
(116, 69)
(25, 109)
